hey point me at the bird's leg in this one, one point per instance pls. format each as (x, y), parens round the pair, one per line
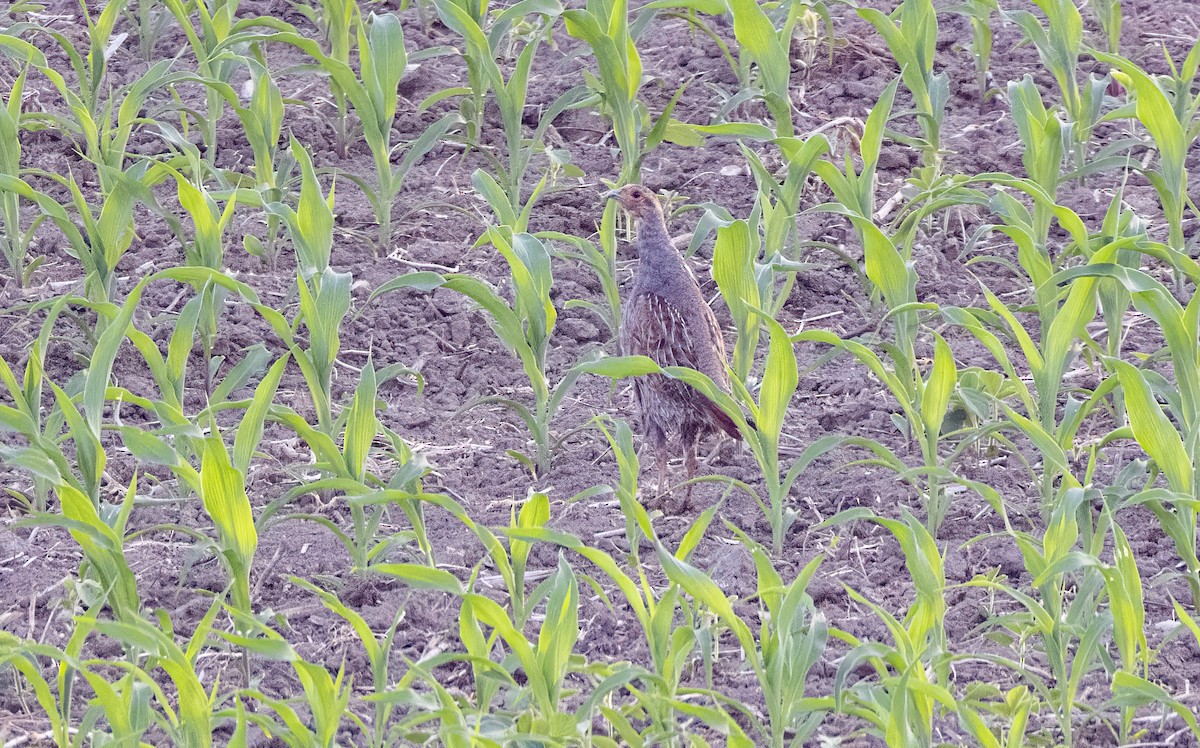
(718, 446)
(662, 454)
(689, 465)
(657, 441)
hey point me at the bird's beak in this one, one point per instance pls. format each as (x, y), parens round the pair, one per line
(612, 194)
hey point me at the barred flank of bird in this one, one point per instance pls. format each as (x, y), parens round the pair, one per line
(666, 318)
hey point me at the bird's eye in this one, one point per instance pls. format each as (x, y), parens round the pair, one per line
(635, 194)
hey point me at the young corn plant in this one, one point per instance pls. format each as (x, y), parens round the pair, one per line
(1132, 690)
(261, 119)
(912, 672)
(523, 327)
(104, 573)
(206, 250)
(791, 640)
(768, 49)
(1061, 613)
(383, 61)
(924, 399)
(326, 697)
(1043, 136)
(216, 20)
(1163, 433)
(911, 34)
(1108, 14)
(1051, 429)
(778, 201)
(661, 697)
(1059, 43)
(122, 703)
(547, 660)
(83, 425)
(378, 649)
(979, 13)
(483, 52)
(349, 471)
(14, 242)
(601, 259)
(535, 705)
(39, 426)
(854, 188)
(1169, 112)
(101, 127)
(604, 26)
(90, 68)
(752, 263)
(338, 20)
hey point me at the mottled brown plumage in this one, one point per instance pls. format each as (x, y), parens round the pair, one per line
(666, 318)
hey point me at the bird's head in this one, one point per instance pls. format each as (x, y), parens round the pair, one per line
(638, 200)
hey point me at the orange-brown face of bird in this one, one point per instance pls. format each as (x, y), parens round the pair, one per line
(636, 199)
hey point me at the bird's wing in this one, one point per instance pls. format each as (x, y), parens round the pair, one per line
(656, 328)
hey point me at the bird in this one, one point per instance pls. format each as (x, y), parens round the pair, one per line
(666, 318)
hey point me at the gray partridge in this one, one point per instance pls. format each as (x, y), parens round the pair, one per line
(666, 318)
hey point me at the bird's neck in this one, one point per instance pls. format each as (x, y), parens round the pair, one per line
(654, 245)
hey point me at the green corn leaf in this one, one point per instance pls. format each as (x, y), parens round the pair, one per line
(733, 270)
(1153, 430)
(383, 60)
(223, 492)
(311, 223)
(361, 425)
(250, 430)
(938, 388)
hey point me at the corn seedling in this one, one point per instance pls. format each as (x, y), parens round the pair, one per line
(261, 119)
(120, 709)
(854, 188)
(101, 128)
(752, 265)
(1132, 690)
(482, 50)
(383, 61)
(1043, 136)
(911, 35)
(14, 242)
(912, 672)
(1108, 15)
(325, 696)
(378, 649)
(1061, 611)
(791, 640)
(216, 19)
(1059, 43)
(661, 693)
(979, 12)
(524, 328)
(547, 660)
(1169, 114)
(90, 68)
(604, 26)
(769, 50)
(602, 260)
(40, 457)
(152, 20)
(104, 575)
(338, 21)
(1164, 442)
